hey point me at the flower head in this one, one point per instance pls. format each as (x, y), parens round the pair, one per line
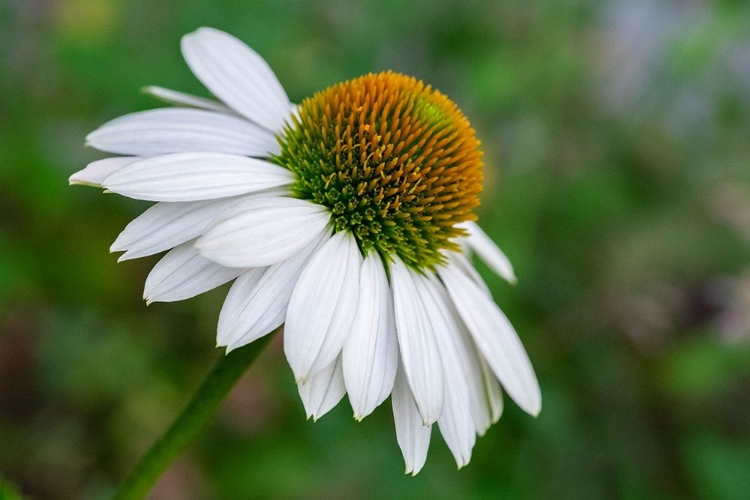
(395, 162)
(348, 218)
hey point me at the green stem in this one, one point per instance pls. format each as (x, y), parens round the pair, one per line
(198, 412)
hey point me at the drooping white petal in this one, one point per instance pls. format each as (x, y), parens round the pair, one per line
(95, 172)
(237, 75)
(182, 99)
(371, 352)
(493, 392)
(263, 231)
(413, 437)
(182, 274)
(166, 225)
(322, 307)
(180, 130)
(195, 177)
(460, 261)
(256, 305)
(490, 253)
(496, 339)
(456, 422)
(417, 344)
(323, 390)
(483, 388)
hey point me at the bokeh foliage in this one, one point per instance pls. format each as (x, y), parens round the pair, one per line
(617, 142)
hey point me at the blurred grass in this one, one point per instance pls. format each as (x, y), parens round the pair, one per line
(617, 181)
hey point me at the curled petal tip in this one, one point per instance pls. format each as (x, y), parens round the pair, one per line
(426, 422)
(232, 347)
(534, 409)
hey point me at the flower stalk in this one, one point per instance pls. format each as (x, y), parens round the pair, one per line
(193, 418)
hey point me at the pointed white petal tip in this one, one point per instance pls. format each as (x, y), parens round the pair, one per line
(536, 409)
(370, 354)
(96, 171)
(495, 338)
(231, 348)
(489, 252)
(185, 100)
(420, 356)
(323, 391)
(531, 401)
(412, 471)
(74, 180)
(511, 279)
(125, 256)
(237, 75)
(323, 306)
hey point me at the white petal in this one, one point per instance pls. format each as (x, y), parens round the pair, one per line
(323, 306)
(413, 437)
(181, 99)
(323, 390)
(488, 251)
(95, 172)
(483, 388)
(371, 351)
(256, 305)
(179, 130)
(263, 231)
(182, 274)
(237, 75)
(496, 339)
(166, 225)
(195, 177)
(456, 422)
(460, 261)
(417, 344)
(493, 392)
(244, 283)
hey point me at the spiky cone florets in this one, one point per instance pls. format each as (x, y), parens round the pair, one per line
(395, 161)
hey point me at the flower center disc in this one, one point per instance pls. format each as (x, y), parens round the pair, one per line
(395, 161)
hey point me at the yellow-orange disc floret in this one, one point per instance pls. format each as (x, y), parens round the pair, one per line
(395, 161)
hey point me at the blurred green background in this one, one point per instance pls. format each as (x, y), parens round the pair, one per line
(617, 142)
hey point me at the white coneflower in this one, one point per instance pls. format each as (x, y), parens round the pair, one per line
(347, 218)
